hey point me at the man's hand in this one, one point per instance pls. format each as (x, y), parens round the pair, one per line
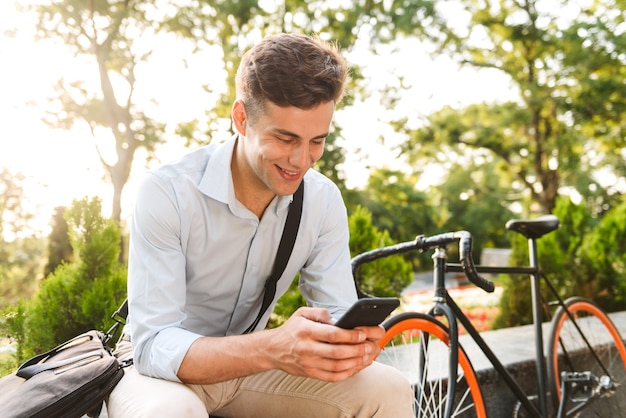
(309, 345)
(306, 345)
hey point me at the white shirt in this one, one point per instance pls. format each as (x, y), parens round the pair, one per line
(199, 259)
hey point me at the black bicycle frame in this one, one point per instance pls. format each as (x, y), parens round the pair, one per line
(535, 276)
(445, 306)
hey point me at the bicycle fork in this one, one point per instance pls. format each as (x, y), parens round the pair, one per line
(441, 309)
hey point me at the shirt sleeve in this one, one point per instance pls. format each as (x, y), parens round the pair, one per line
(156, 282)
(326, 280)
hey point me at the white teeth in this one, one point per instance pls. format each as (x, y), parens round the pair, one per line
(289, 172)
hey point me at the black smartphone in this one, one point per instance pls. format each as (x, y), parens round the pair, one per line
(368, 312)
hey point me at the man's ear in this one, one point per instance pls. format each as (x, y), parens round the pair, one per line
(239, 117)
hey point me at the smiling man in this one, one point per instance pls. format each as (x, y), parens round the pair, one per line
(204, 235)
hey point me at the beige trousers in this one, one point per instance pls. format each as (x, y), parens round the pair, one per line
(378, 391)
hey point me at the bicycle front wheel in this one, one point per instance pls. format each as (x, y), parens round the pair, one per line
(586, 341)
(413, 336)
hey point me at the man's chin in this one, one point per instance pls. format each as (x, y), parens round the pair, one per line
(287, 189)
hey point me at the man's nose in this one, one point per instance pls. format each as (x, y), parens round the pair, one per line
(300, 156)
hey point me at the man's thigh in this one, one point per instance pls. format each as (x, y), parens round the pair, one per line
(378, 391)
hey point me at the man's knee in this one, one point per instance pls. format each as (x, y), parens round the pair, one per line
(381, 391)
(174, 407)
(389, 382)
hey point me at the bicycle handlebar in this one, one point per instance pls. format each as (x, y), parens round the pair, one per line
(423, 243)
(465, 253)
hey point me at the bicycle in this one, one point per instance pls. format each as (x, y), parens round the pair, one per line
(582, 372)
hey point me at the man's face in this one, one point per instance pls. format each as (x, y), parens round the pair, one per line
(283, 143)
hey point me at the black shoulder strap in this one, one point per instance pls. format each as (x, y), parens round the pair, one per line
(287, 241)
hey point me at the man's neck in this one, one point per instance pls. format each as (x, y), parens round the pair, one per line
(249, 190)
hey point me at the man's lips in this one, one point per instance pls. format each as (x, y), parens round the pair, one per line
(288, 174)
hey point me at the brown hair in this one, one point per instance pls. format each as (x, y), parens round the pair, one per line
(290, 70)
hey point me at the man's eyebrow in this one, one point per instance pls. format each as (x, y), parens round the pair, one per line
(296, 136)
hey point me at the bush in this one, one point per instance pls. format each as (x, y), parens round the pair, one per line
(77, 296)
(11, 324)
(602, 261)
(384, 277)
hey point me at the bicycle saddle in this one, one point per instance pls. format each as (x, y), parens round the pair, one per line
(534, 228)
